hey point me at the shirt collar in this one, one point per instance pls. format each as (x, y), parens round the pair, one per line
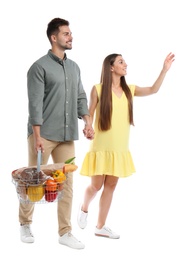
(56, 58)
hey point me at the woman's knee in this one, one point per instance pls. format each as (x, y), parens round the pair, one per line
(111, 182)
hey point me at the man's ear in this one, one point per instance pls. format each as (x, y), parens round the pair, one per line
(53, 38)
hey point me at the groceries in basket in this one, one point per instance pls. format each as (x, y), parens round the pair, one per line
(43, 183)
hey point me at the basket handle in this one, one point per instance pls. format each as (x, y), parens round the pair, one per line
(38, 160)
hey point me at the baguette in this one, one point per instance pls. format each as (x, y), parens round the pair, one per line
(69, 168)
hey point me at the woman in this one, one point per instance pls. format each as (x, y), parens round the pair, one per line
(109, 157)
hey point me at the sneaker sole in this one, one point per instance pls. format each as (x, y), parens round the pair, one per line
(28, 241)
(101, 235)
(82, 247)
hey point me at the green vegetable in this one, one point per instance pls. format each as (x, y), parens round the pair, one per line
(70, 160)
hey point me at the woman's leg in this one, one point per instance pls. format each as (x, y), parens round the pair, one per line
(91, 191)
(106, 199)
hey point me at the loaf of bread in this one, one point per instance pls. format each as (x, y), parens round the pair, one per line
(30, 175)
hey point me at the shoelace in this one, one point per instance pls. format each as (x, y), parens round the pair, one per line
(108, 229)
(70, 235)
(28, 232)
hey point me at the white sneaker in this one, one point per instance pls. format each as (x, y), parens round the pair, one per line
(106, 232)
(26, 234)
(69, 240)
(82, 218)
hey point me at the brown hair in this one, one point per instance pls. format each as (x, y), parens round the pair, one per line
(106, 94)
(53, 26)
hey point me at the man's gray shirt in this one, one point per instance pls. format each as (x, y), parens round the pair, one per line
(56, 98)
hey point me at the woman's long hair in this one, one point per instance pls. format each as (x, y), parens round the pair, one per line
(106, 94)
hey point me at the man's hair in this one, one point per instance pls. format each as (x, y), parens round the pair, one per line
(53, 26)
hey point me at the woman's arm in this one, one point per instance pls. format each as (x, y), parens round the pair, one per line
(93, 102)
(92, 106)
(145, 91)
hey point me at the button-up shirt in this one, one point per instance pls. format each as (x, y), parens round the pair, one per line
(56, 98)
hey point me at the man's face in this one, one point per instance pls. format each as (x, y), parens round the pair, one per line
(63, 40)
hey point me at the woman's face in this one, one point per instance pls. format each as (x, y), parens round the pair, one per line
(119, 67)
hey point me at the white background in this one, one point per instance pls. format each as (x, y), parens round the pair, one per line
(148, 209)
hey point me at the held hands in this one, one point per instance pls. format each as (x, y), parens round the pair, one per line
(168, 61)
(88, 132)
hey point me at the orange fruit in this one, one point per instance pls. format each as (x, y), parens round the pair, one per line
(51, 185)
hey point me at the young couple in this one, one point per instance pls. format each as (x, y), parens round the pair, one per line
(56, 100)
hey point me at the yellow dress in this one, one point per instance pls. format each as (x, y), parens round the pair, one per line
(109, 150)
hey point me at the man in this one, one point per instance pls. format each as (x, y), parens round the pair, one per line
(56, 100)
